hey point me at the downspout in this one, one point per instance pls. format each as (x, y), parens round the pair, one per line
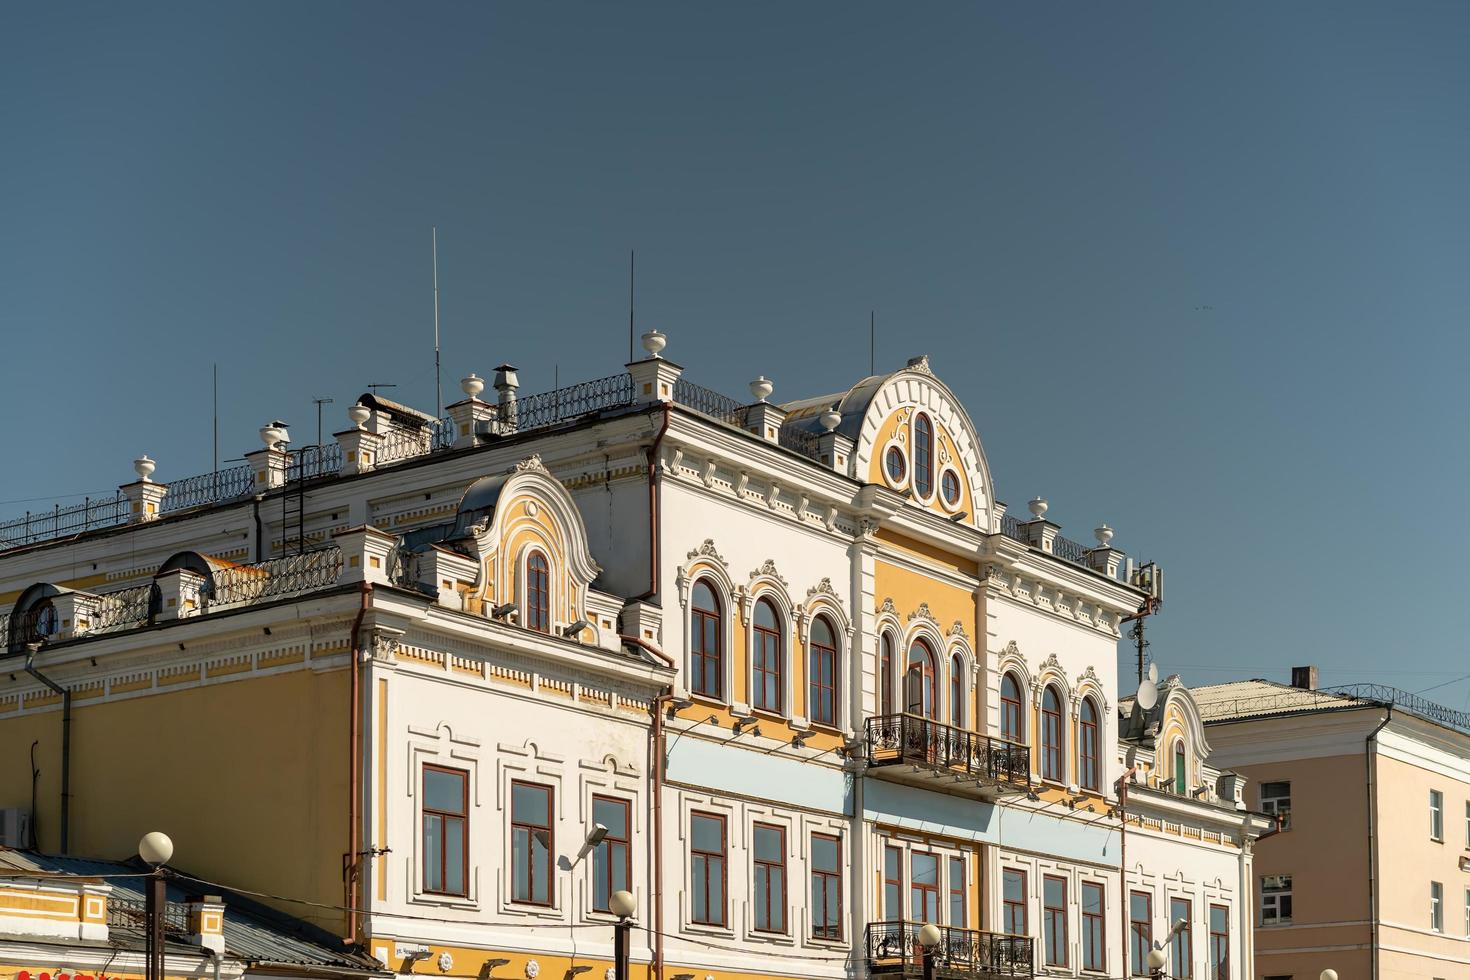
(1370, 753)
(354, 766)
(656, 738)
(31, 649)
(653, 497)
(1123, 898)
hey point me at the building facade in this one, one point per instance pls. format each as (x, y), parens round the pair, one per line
(787, 672)
(1370, 873)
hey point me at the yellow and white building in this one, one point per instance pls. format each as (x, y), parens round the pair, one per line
(788, 672)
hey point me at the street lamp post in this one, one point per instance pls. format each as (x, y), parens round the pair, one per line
(623, 905)
(155, 849)
(929, 939)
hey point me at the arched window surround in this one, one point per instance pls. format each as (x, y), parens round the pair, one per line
(817, 683)
(1089, 745)
(823, 601)
(538, 610)
(707, 566)
(708, 624)
(1052, 734)
(1012, 718)
(923, 457)
(887, 687)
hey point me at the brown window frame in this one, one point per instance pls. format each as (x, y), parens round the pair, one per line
(608, 843)
(886, 646)
(530, 829)
(723, 855)
(927, 891)
(927, 667)
(895, 914)
(1014, 709)
(1094, 956)
(1006, 905)
(445, 816)
(1219, 968)
(1053, 751)
(831, 933)
(766, 640)
(923, 480)
(699, 656)
(822, 695)
(538, 594)
(1183, 940)
(779, 867)
(957, 893)
(957, 691)
(1051, 917)
(1140, 937)
(1088, 775)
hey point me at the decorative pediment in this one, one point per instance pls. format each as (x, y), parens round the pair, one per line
(888, 608)
(1012, 650)
(531, 464)
(1051, 663)
(824, 587)
(958, 629)
(920, 364)
(767, 569)
(923, 613)
(707, 550)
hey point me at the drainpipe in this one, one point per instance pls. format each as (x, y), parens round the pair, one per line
(1123, 898)
(656, 737)
(354, 768)
(653, 496)
(66, 739)
(1370, 754)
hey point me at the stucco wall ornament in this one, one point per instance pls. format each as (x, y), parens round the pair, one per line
(888, 607)
(1012, 650)
(610, 974)
(446, 962)
(958, 629)
(923, 613)
(533, 970)
(532, 464)
(1051, 661)
(707, 550)
(768, 568)
(824, 587)
(920, 364)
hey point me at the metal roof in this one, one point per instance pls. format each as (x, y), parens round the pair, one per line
(1259, 698)
(253, 932)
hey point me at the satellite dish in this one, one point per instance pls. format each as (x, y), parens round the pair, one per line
(1153, 673)
(1148, 695)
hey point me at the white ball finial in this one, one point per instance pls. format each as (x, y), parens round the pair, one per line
(472, 385)
(359, 413)
(156, 848)
(144, 467)
(761, 388)
(654, 342)
(274, 434)
(831, 419)
(1104, 535)
(1038, 506)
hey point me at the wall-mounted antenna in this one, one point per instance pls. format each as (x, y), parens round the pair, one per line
(631, 256)
(872, 343)
(438, 390)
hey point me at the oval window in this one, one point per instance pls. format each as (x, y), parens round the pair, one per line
(949, 485)
(897, 465)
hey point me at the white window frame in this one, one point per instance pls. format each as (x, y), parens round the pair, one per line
(1272, 901)
(1436, 816)
(1272, 804)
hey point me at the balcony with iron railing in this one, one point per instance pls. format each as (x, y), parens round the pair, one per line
(921, 752)
(893, 948)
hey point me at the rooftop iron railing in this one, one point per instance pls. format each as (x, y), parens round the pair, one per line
(61, 522)
(208, 488)
(915, 740)
(274, 578)
(130, 913)
(893, 947)
(573, 401)
(1064, 548)
(1288, 700)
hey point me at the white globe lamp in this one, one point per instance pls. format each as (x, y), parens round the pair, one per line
(930, 936)
(155, 848)
(622, 904)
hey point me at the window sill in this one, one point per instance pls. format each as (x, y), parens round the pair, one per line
(451, 901)
(706, 929)
(770, 938)
(533, 910)
(822, 942)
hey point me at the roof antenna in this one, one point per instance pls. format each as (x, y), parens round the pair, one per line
(872, 343)
(438, 390)
(214, 480)
(373, 389)
(631, 255)
(319, 402)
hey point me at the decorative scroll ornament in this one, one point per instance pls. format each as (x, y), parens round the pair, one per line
(824, 587)
(920, 364)
(923, 613)
(1012, 650)
(531, 464)
(1051, 661)
(533, 970)
(768, 568)
(446, 962)
(888, 607)
(707, 550)
(958, 629)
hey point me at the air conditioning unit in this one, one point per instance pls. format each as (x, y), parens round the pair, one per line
(15, 827)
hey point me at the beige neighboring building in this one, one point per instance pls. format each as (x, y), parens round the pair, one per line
(1370, 874)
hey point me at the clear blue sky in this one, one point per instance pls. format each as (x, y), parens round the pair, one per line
(1198, 271)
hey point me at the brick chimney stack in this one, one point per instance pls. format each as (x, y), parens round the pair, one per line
(1304, 678)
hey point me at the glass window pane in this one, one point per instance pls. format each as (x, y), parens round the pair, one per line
(444, 790)
(824, 854)
(433, 852)
(454, 857)
(926, 869)
(613, 815)
(530, 804)
(520, 872)
(765, 614)
(708, 834)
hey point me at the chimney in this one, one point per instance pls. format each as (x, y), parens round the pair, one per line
(1304, 678)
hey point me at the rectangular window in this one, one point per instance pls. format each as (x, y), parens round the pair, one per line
(957, 915)
(1219, 942)
(1275, 900)
(707, 868)
(826, 887)
(1436, 815)
(446, 814)
(1013, 902)
(1141, 932)
(893, 883)
(1094, 950)
(1181, 951)
(1276, 799)
(1436, 906)
(1467, 913)
(1054, 919)
(530, 843)
(770, 878)
(923, 887)
(611, 861)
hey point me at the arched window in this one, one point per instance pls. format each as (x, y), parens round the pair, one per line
(921, 682)
(766, 677)
(823, 674)
(706, 640)
(1051, 735)
(885, 671)
(923, 456)
(1087, 742)
(957, 691)
(1010, 710)
(1181, 774)
(538, 592)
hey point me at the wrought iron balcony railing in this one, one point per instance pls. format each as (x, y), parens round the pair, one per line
(893, 948)
(915, 740)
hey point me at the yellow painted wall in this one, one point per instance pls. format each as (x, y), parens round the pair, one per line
(943, 444)
(249, 778)
(948, 603)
